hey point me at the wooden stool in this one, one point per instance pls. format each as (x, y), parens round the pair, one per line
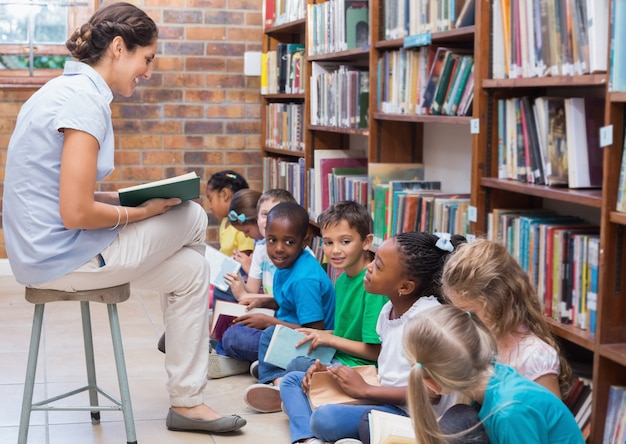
(110, 296)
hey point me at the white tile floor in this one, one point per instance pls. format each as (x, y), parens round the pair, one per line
(61, 367)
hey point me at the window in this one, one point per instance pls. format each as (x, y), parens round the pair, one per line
(33, 35)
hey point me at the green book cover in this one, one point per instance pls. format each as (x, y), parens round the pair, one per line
(357, 24)
(282, 348)
(185, 187)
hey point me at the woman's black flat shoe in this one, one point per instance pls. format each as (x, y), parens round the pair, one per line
(180, 423)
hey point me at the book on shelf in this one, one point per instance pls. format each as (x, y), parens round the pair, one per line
(219, 265)
(323, 163)
(467, 15)
(584, 118)
(185, 187)
(269, 13)
(357, 23)
(323, 389)
(615, 420)
(621, 188)
(282, 348)
(387, 427)
(382, 172)
(224, 312)
(557, 173)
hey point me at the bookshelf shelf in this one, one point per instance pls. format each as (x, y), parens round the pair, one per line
(459, 120)
(618, 217)
(590, 198)
(614, 352)
(283, 97)
(333, 129)
(617, 97)
(453, 35)
(295, 27)
(354, 56)
(573, 334)
(538, 82)
(285, 152)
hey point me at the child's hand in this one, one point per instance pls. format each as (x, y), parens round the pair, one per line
(349, 380)
(244, 259)
(259, 301)
(236, 284)
(316, 337)
(317, 367)
(256, 320)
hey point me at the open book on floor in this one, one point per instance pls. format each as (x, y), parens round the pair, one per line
(225, 312)
(282, 348)
(185, 187)
(219, 265)
(387, 428)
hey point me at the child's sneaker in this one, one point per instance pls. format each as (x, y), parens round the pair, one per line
(348, 441)
(221, 366)
(254, 370)
(264, 398)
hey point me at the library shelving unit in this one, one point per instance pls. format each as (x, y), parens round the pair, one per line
(292, 32)
(605, 351)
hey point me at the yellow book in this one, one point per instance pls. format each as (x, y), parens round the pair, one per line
(264, 89)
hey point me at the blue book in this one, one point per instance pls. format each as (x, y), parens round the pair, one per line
(282, 348)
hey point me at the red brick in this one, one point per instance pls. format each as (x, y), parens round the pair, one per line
(210, 4)
(227, 111)
(242, 127)
(183, 48)
(225, 81)
(163, 63)
(185, 15)
(203, 157)
(204, 127)
(161, 158)
(144, 142)
(204, 95)
(171, 32)
(204, 64)
(225, 49)
(161, 127)
(224, 18)
(184, 80)
(205, 33)
(183, 111)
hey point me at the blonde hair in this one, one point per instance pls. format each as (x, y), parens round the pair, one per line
(484, 272)
(454, 349)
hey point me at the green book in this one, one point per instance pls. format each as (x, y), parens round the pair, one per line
(282, 348)
(185, 187)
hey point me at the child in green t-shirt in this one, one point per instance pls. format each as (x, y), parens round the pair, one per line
(346, 240)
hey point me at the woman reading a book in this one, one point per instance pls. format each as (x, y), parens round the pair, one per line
(62, 234)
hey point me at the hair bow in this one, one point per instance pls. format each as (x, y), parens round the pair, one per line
(443, 243)
(234, 217)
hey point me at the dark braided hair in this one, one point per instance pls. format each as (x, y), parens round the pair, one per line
(89, 42)
(227, 179)
(424, 260)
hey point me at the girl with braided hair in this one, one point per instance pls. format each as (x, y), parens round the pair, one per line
(62, 234)
(407, 269)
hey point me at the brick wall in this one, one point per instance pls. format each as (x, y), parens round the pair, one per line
(198, 111)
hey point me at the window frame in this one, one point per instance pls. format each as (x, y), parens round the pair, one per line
(79, 12)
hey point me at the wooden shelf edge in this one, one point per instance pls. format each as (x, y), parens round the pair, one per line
(287, 28)
(359, 54)
(617, 217)
(284, 152)
(590, 198)
(617, 96)
(557, 81)
(573, 334)
(334, 129)
(461, 34)
(459, 120)
(283, 96)
(614, 352)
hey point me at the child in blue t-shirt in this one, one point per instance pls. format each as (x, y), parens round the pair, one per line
(303, 295)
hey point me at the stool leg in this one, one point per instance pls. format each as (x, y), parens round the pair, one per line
(31, 369)
(122, 377)
(89, 361)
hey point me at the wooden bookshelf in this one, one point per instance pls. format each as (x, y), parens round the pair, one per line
(604, 351)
